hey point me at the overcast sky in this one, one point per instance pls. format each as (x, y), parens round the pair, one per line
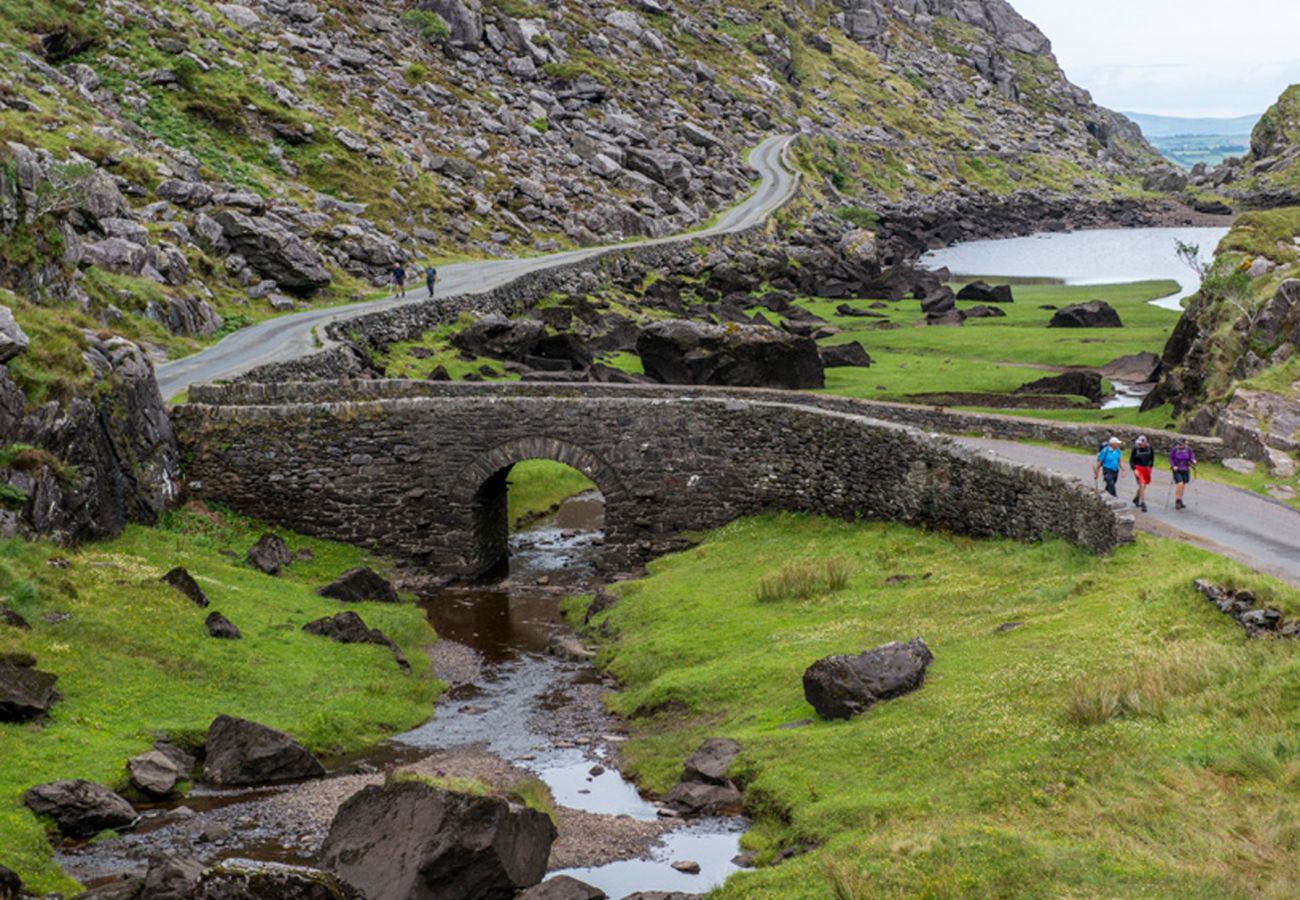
(1175, 57)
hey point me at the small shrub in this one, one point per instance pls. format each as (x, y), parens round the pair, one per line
(186, 71)
(416, 73)
(801, 581)
(856, 215)
(541, 125)
(12, 497)
(428, 25)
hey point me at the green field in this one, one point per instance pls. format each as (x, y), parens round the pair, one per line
(537, 486)
(134, 660)
(1126, 741)
(997, 355)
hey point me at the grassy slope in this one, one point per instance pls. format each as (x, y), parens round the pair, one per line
(134, 660)
(979, 784)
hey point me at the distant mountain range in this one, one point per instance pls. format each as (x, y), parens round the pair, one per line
(1174, 126)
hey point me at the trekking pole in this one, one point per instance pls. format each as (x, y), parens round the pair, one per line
(1169, 491)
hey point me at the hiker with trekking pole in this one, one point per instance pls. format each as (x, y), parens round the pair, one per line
(1110, 461)
(1182, 460)
(1142, 459)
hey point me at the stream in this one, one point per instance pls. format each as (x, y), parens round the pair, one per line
(511, 710)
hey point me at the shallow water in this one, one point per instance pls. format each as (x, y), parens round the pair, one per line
(1097, 256)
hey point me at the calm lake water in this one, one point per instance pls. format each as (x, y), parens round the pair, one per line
(1102, 256)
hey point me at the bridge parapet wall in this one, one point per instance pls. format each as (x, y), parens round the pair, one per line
(927, 418)
(402, 468)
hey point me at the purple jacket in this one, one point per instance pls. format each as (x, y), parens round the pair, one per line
(1181, 458)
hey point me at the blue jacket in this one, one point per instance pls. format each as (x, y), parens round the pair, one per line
(1110, 457)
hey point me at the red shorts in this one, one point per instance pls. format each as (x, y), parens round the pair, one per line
(1143, 474)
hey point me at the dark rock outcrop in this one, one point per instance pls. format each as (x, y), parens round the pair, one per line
(270, 554)
(25, 693)
(1093, 314)
(232, 882)
(982, 292)
(682, 352)
(406, 840)
(117, 438)
(220, 627)
(244, 752)
(274, 251)
(1244, 608)
(840, 687)
(360, 586)
(183, 581)
(349, 628)
(1079, 384)
(709, 764)
(845, 355)
(79, 808)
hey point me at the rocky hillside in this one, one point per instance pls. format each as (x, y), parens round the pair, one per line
(200, 165)
(1268, 176)
(1232, 365)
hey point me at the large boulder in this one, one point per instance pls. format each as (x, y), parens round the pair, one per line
(840, 687)
(1075, 384)
(982, 292)
(1139, 368)
(180, 579)
(153, 774)
(498, 337)
(410, 840)
(682, 352)
(350, 628)
(265, 882)
(709, 764)
(270, 554)
(669, 169)
(80, 809)
(464, 18)
(171, 876)
(360, 586)
(693, 798)
(1093, 314)
(25, 692)
(845, 355)
(244, 752)
(274, 251)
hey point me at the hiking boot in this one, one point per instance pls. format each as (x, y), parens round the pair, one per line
(1180, 505)
(1143, 507)
(1137, 501)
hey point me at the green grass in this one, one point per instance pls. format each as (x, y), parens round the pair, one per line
(134, 660)
(539, 486)
(1126, 741)
(996, 355)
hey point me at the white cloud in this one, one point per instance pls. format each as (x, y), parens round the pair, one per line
(1175, 57)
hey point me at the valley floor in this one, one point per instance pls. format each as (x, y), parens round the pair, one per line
(1124, 739)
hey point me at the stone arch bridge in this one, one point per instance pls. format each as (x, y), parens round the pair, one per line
(419, 470)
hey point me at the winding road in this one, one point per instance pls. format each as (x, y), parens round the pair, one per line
(292, 336)
(1253, 530)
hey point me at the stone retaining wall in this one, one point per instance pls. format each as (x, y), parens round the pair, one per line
(415, 470)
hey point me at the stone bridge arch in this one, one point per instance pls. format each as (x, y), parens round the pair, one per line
(479, 494)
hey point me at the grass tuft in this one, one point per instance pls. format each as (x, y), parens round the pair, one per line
(802, 581)
(1148, 688)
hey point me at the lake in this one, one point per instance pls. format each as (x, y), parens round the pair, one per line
(1100, 256)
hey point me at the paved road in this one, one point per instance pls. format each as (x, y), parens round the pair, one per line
(1251, 529)
(291, 336)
